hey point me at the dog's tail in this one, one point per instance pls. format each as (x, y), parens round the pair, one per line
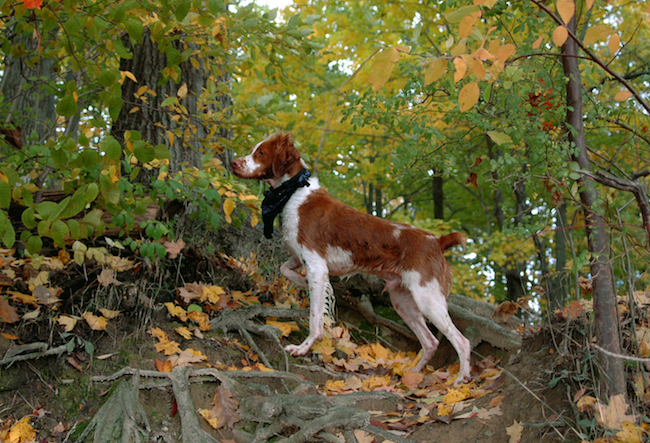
(452, 239)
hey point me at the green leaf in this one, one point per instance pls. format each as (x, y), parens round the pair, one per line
(58, 231)
(182, 9)
(34, 244)
(28, 218)
(500, 138)
(5, 194)
(73, 226)
(92, 192)
(47, 210)
(169, 101)
(67, 106)
(216, 7)
(111, 148)
(76, 204)
(161, 152)
(93, 218)
(135, 29)
(460, 13)
(110, 191)
(143, 152)
(59, 156)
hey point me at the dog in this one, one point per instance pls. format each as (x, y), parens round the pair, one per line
(328, 238)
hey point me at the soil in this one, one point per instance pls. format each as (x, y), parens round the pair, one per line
(58, 393)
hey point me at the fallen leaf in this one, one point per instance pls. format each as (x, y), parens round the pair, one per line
(201, 318)
(614, 414)
(286, 328)
(96, 323)
(212, 294)
(21, 432)
(74, 363)
(177, 311)
(485, 414)
(505, 310)
(187, 357)
(26, 299)
(515, 432)
(174, 248)
(107, 278)
(9, 336)
(108, 313)
(224, 409)
(164, 366)
(68, 322)
(184, 332)
(586, 403)
(411, 379)
(7, 312)
(496, 401)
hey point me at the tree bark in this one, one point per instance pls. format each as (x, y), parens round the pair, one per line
(438, 196)
(187, 136)
(606, 316)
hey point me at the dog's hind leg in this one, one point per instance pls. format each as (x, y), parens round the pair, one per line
(432, 303)
(406, 307)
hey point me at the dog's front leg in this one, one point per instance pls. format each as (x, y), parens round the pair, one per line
(318, 279)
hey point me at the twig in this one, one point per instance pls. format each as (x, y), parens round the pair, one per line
(621, 356)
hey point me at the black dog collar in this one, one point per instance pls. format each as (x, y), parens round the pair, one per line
(276, 198)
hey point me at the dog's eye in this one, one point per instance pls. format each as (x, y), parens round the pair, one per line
(261, 153)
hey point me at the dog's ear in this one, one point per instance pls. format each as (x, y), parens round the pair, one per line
(286, 155)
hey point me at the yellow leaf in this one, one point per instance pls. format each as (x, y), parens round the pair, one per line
(434, 70)
(466, 26)
(560, 34)
(506, 51)
(614, 43)
(621, 96)
(182, 91)
(96, 323)
(285, 328)
(630, 433)
(228, 207)
(183, 332)
(129, 75)
(68, 322)
(456, 395)
(383, 65)
(212, 294)
(176, 311)
(538, 42)
(201, 318)
(515, 432)
(159, 334)
(21, 432)
(168, 347)
(597, 33)
(479, 70)
(245, 298)
(9, 336)
(566, 9)
(468, 96)
(108, 313)
(214, 422)
(461, 68)
(254, 221)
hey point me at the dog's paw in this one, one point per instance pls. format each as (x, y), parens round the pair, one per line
(297, 350)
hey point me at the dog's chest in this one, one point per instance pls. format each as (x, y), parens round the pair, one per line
(290, 218)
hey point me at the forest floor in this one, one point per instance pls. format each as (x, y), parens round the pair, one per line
(190, 349)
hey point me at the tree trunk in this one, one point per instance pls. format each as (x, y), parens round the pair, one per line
(438, 196)
(28, 89)
(606, 316)
(187, 136)
(557, 293)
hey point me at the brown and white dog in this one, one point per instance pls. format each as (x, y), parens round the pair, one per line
(327, 237)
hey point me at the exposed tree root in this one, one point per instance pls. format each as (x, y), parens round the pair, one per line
(294, 415)
(241, 320)
(312, 414)
(121, 418)
(21, 353)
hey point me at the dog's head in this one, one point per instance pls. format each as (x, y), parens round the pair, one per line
(273, 160)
